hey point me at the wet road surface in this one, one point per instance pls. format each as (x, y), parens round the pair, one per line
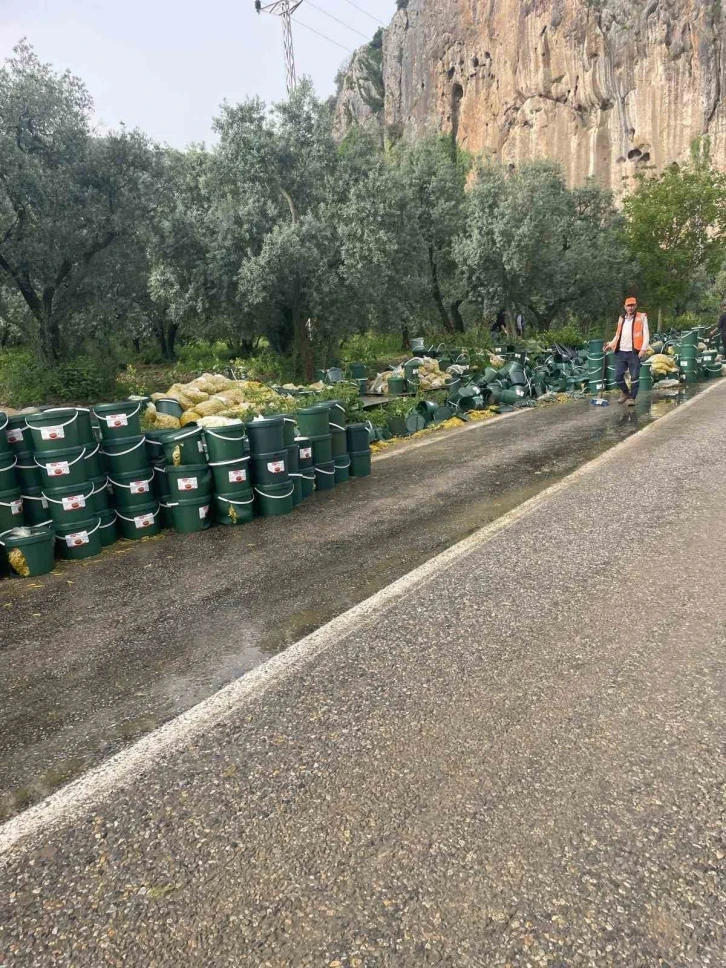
(516, 762)
(101, 652)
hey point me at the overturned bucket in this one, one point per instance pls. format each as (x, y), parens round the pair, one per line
(30, 551)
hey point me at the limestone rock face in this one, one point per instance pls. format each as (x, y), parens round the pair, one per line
(602, 86)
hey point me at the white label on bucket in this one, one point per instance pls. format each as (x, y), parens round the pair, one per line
(77, 539)
(117, 420)
(57, 468)
(139, 487)
(237, 477)
(276, 467)
(203, 512)
(74, 503)
(306, 453)
(187, 483)
(15, 436)
(52, 433)
(16, 507)
(144, 520)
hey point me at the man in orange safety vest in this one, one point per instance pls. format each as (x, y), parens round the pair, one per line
(630, 346)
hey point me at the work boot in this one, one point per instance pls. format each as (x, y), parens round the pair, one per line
(624, 397)
(631, 402)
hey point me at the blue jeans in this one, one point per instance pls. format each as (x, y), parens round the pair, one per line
(628, 360)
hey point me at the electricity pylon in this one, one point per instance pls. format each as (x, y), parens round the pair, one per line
(284, 9)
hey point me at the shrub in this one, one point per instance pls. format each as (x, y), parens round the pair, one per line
(26, 382)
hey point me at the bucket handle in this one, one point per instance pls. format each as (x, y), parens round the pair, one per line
(110, 523)
(225, 463)
(7, 504)
(208, 430)
(32, 497)
(7, 420)
(70, 462)
(53, 410)
(183, 436)
(128, 486)
(10, 466)
(107, 417)
(53, 500)
(227, 500)
(61, 537)
(337, 426)
(94, 451)
(131, 520)
(123, 453)
(319, 470)
(276, 497)
(343, 467)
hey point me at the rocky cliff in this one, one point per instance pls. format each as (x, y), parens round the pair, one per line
(603, 86)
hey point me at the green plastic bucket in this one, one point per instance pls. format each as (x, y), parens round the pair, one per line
(119, 420)
(397, 426)
(108, 529)
(358, 371)
(297, 494)
(274, 500)
(189, 481)
(713, 371)
(226, 443)
(339, 443)
(62, 468)
(342, 469)
(305, 452)
(288, 431)
(54, 429)
(314, 421)
(169, 406)
(93, 460)
(134, 490)
(415, 422)
(69, 506)
(161, 484)
(18, 434)
(185, 446)
(336, 409)
(4, 442)
(191, 514)
(85, 426)
(232, 476)
(102, 494)
(11, 509)
(510, 397)
(293, 458)
(322, 449)
(307, 482)
(79, 541)
(30, 551)
(360, 464)
(155, 446)
(358, 437)
(267, 435)
(233, 509)
(325, 476)
(269, 469)
(35, 507)
(646, 377)
(8, 477)
(396, 386)
(440, 414)
(125, 456)
(142, 522)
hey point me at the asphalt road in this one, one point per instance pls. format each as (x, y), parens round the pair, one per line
(513, 757)
(100, 653)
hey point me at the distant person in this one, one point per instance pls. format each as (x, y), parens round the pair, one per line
(520, 325)
(722, 327)
(499, 327)
(630, 346)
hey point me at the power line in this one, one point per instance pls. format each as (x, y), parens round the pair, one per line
(365, 12)
(341, 22)
(330, 40)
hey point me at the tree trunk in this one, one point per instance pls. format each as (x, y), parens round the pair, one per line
(458, 319)
(50, 342)
(436, 292)
(405, 337)
(301, 339)
(660, 319)
(166, 338)
(136, 343)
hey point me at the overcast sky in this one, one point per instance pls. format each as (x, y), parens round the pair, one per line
(165, 66)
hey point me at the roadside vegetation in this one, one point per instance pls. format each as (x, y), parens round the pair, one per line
(126, 266)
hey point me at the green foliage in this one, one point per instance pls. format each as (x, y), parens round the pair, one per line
(375, 350)
(24, 381)
(676, 227)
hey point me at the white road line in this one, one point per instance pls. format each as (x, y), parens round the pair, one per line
(71, 801)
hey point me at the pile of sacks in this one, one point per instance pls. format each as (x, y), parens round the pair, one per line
(661, 364)
(212, 400)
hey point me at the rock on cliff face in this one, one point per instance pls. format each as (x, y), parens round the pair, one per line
(603, 86)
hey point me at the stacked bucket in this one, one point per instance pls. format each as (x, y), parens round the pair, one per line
(688, 356)
(130, 476)
(186, 477)
(596, 365)
(229, 459)
(271, 440)
(70, 478)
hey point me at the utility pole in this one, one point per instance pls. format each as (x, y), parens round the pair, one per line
(284, 9)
